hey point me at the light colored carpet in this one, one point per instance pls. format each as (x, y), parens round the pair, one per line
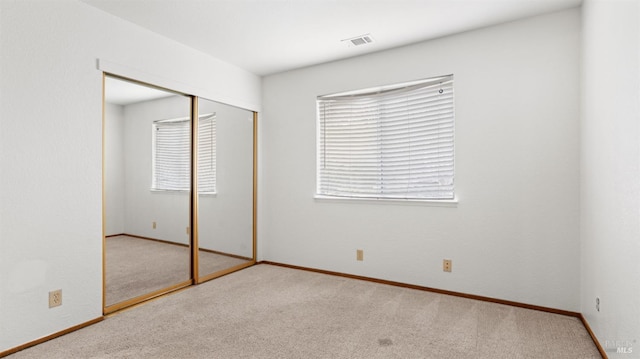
(136, 266)
(271, 312)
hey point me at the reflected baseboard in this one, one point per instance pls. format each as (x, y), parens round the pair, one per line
(225, 254)
(181, 244)
(150, 239)
(114, 235)
(224, 272)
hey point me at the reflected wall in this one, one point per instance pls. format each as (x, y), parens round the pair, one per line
(225, 217)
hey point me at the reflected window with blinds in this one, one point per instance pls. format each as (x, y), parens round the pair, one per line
(172, 154)
(390, 142)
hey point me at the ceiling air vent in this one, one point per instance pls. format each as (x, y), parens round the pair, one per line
(359, 40)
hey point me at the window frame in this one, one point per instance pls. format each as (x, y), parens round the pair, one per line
(379, 194)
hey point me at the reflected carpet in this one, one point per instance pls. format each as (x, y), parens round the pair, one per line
(136, 266)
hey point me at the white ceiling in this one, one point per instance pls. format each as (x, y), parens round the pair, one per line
(270, 36)
(120, 92)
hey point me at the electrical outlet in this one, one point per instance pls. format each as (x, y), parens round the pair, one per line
(598, 304)
(359, 255)
(446, 265)
(154, 225)
(55, 298)
(187, 230)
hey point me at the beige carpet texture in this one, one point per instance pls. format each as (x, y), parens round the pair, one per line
(267, 311)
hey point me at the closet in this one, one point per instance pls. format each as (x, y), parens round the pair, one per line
(179, 189)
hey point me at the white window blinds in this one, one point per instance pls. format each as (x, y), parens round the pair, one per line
(207, 154)
(172, 155)
(393, 143)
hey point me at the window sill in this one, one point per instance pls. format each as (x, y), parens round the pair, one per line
(417, 202)
(172, 191)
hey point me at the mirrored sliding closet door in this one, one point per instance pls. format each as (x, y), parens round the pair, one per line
(179, 191)
(225, 188)
(147, 191)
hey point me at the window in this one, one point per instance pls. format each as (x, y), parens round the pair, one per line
(172, 154)
(393, 142)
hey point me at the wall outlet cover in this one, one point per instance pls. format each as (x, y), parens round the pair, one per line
(446, 265)
(55, 298)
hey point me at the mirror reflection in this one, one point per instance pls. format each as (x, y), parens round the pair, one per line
(225, 188)
(147, 140)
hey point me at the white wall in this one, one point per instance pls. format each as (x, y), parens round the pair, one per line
(610, 166)
(114, 181)
(514, 233)
(51, 152)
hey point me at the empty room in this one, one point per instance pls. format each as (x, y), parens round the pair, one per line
(320, 179)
